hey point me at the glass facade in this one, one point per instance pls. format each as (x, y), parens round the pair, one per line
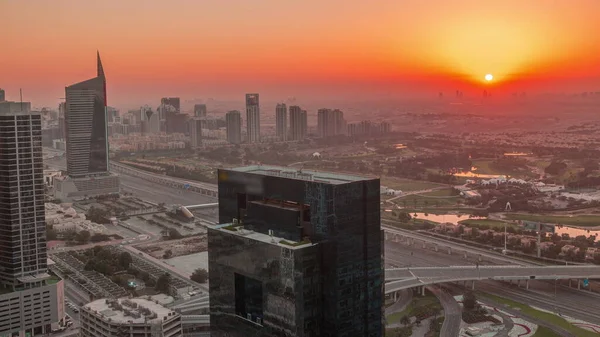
(86, 127)
(335, 284)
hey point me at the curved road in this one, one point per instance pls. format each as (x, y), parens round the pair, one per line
(452, 313)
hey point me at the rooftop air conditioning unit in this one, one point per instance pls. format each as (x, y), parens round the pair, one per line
(259, 320)
(235, 221)
(249, 317)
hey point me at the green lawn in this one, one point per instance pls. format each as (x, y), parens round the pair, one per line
(399, 332)
(407, 185)
(544, 316)
(438, 210)
(579, 220)
(418, 201)
(446, 192)
(485, 222)
(545, 332)
(483, 166)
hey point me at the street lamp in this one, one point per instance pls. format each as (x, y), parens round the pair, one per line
(505, 236)
(555, 304)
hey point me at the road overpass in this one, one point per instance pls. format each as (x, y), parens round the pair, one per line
(206, 189)
(403, 278)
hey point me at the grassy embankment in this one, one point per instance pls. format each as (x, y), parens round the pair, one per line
(543, 316)
(579, 220)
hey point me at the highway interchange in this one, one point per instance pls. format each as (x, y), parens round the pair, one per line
(548, 295)
(579, 304)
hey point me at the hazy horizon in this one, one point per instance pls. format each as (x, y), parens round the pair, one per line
(310, 50)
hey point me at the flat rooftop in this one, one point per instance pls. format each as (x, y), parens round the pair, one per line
(239, 230)
(301, 174)
(126, 313)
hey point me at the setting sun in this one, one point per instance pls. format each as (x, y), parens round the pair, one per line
(489, 77)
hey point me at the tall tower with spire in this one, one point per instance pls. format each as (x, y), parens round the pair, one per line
(87, 138)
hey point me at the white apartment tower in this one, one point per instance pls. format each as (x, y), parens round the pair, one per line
(29, 296)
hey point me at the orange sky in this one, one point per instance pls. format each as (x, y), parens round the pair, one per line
(302, 48)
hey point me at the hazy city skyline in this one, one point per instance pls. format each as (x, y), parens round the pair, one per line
(224, 50)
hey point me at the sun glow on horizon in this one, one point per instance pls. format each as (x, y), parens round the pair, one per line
(489, 77)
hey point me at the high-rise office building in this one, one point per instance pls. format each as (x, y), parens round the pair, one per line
(298, 121)
(233, 121)
(175, 102)
(281, 123)
(87, 139)
(30, 298)
(167, 111)
(200, 110)
(252, 118)
(296, 253)
(62, 108)
(2, 95)
(196, 125)
(150, 121)
(112, 114)
(330, 123)
(85, 117)
(175, 122)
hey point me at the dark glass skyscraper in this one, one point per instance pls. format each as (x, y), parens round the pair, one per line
(85, 125)
(252, 118)
(87, 141)
(296, 253)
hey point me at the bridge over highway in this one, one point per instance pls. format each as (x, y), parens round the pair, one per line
(403, 278)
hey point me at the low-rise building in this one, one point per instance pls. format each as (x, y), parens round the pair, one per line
(136, 317)
(64, 218)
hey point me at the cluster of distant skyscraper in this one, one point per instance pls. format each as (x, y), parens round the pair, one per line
(291, 124)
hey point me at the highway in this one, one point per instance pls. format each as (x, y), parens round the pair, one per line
(398, 255)
(147, 190)
(391, 232)
(569, 302)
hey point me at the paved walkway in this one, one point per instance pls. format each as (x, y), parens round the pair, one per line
(508, 324)
(557, 329)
